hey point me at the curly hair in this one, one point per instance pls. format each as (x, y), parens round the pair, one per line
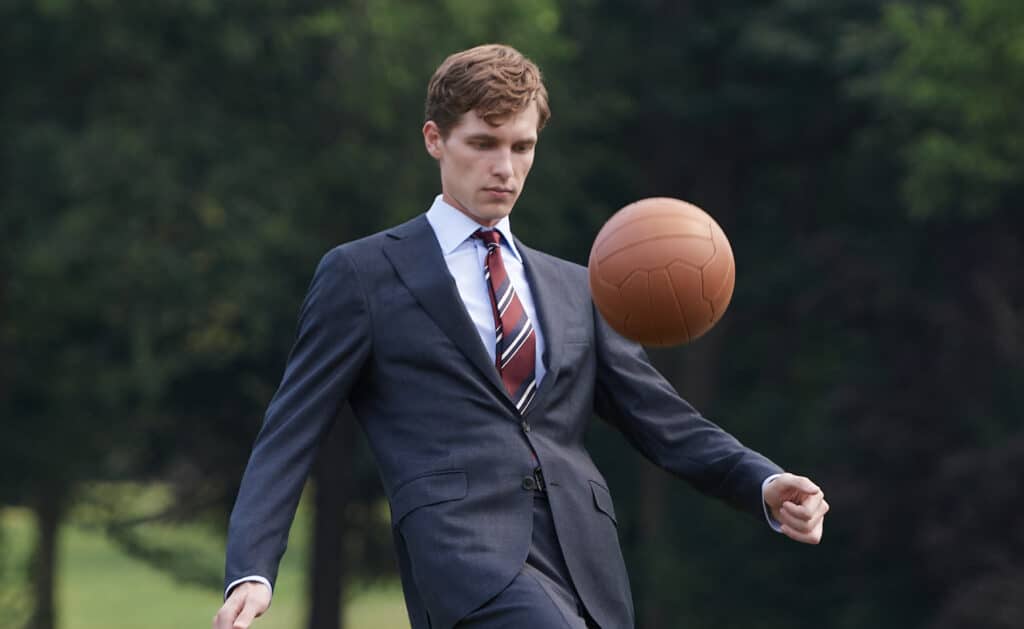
(494, 80)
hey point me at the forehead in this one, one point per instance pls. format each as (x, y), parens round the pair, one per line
(517, 126)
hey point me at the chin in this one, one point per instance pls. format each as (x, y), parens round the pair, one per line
(492, 213)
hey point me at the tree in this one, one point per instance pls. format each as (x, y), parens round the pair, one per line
(740, 108)
(952, 90)
(172, 172)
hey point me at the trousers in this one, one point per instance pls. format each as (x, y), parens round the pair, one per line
(542, 595)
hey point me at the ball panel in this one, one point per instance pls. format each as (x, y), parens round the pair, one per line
(721, 301)
(659, 205)
(719, 281)
(635, 291)
(667, 324)
(608, 299)
(688, 285)
(654, 253)
(650, 227)
(664, 207)
(720, 273)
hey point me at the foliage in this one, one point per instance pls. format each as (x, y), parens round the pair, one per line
(163, 215)
(958, 74)
(172, 171)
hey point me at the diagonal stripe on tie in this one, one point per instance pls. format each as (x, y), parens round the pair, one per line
(506, 298)
(526, 395)
(520, 339)
(515, 339)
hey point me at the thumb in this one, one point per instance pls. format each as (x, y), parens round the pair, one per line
(804, 484)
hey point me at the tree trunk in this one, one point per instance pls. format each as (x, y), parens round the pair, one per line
(332, 486)
(48, 509)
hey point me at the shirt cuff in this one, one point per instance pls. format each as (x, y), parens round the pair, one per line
(772, 522)
(256, 578)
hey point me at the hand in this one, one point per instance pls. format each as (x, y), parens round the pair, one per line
(247, 601)
(798, 505)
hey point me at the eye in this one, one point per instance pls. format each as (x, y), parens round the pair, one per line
(526, 147)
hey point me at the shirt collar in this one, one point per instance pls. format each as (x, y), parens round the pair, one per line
(452, 227)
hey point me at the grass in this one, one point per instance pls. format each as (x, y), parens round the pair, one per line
(100, 587)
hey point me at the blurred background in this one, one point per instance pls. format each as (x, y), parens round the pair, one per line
(171, 171)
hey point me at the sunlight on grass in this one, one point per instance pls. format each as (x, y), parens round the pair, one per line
(102, 588)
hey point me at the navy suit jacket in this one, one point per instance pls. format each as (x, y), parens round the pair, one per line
(384, 328)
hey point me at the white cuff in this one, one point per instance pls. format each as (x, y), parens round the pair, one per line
(767, 514)
(256, 578)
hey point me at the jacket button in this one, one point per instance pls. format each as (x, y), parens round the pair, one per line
(529, 483)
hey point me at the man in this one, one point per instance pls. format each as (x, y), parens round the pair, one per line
(474, 364)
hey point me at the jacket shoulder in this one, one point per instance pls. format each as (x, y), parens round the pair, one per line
(362, 252)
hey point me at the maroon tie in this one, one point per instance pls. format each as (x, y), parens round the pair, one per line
(516, 347)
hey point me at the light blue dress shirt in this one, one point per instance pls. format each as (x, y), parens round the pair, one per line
(466, 256)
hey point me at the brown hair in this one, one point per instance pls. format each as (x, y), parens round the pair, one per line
(494, 80)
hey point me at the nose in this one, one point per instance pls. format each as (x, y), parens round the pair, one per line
(502, 165)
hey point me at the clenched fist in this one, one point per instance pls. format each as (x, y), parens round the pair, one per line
(246, 602)
(798, 505)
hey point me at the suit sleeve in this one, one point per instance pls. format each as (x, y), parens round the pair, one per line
(635, 398)
(331, 346)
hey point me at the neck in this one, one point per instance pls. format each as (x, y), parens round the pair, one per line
(476, 219)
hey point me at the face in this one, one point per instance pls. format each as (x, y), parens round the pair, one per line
(484, 166)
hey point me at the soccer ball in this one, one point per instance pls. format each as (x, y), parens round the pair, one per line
(661, 272)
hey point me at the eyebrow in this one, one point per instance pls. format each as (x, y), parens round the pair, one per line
(493, 138)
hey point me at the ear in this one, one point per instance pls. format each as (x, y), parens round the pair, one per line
(432, 139)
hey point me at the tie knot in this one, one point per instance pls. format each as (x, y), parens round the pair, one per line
(491, 238)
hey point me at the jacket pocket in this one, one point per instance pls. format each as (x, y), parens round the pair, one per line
(603, 501)
(431, 489)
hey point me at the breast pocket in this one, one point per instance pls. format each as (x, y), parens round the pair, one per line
(430, 489)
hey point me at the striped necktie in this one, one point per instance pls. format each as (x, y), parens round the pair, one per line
(516, 345)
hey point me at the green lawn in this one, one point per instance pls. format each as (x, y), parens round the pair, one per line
(102, 588)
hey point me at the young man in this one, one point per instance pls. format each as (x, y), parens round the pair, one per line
(474, 364)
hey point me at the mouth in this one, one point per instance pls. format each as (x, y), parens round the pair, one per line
(500, 191)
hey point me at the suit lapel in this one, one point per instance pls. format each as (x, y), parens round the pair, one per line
(417, 259)
(548, 289)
